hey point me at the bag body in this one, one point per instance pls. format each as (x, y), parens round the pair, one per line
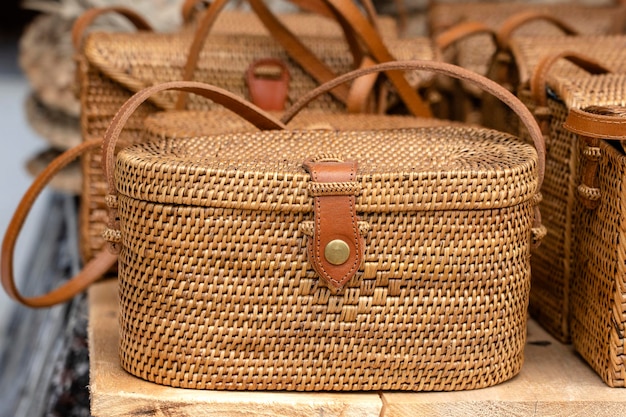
(445, 275)
(112, 66)
(554, 264)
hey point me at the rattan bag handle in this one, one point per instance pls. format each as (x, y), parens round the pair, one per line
(88, 17)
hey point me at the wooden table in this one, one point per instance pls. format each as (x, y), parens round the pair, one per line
(553, 382)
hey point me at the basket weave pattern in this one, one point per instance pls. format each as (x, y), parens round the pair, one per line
(217, 293)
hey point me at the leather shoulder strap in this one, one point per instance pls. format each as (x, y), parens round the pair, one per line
(539, 77)
(377, 49)
(461, 31)
(91, 272)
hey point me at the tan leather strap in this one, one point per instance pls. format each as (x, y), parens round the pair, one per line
(594, 125)
(510, 25)
(442, 68)
(91, 272)
(294, 47)
(361, 91)
(87, 18)
(461, 31)
(457, 72)
(236, 104)
(539, 77)
(379, 52)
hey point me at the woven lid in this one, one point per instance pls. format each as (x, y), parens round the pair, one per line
(433, 168)
(590, 90)
(140, 60)
(528, 52)
(181, 124)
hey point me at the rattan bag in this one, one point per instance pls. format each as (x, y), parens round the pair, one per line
(489, 53)
(114, 65)
(598, 287)
(544, 64)
(323, 259)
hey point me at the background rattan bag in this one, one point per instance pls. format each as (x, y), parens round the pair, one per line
(422, 259)
(598, 288)
(557, 59)
(114, 65)
(489, 53)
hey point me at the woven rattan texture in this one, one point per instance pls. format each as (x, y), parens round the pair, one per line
(598, 291)
(552, 261)
(181, 124)
(475, 52)
(217, 293)
(116, 64)
(242, 22)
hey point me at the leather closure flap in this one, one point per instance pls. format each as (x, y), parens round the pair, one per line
(336, 249)
(268, 83)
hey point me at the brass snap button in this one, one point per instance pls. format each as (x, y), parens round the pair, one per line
(337, 252)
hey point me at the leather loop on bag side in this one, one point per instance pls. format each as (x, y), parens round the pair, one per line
(91, 272)
(336, 248)
(87, 18)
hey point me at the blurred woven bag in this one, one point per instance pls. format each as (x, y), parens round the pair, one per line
(114, 65)
(488, 52)
(544, 64)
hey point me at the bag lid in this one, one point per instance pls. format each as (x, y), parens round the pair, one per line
(529, 51)
(590, 90)
(413, 169)
(142, 59)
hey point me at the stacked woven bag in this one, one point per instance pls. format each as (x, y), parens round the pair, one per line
(282, 211)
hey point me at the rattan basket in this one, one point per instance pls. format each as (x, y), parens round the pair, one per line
(232, 278)
(598, 287)
(553, 265)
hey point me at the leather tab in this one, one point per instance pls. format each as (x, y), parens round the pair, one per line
(268, 83)
(336, 249)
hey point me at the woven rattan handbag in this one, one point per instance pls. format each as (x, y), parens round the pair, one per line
(598, 287)
(330, 272)
(245, 264)
(539, 59)
(114, 65)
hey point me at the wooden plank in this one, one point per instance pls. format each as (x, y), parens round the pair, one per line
(554, 381)
(117, 393)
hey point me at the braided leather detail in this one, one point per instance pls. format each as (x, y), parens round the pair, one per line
(111, 201)
(307, 228)
(317, 189)
(112, 236)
